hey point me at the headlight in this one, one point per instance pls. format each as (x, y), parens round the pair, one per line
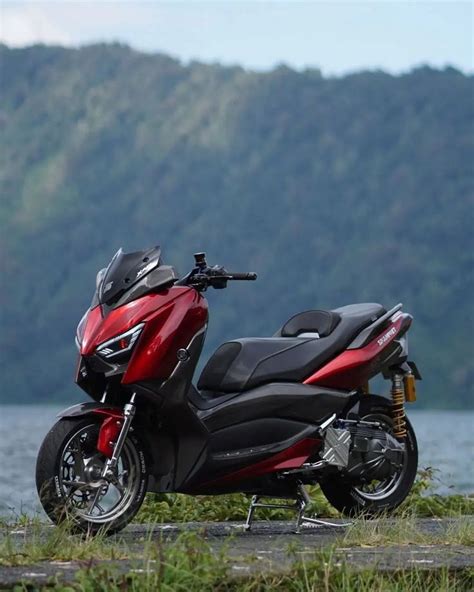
(121, 344)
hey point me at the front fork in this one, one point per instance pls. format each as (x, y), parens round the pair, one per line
(128, 415)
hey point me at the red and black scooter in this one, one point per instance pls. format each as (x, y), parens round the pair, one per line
(268, 416)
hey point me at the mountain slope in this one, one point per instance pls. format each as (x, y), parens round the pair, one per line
(334, 190)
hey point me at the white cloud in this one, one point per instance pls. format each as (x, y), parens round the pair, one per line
(25, 24)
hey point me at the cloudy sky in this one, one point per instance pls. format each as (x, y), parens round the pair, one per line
(335, 36)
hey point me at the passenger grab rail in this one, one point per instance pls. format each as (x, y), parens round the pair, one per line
(362, 338)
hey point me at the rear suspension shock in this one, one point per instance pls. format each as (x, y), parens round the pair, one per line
(398, 407)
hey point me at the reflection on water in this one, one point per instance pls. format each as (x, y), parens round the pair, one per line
(445, 440)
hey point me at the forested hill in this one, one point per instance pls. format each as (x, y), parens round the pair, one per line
(335, 190)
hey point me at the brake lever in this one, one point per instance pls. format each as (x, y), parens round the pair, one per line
(200, 281)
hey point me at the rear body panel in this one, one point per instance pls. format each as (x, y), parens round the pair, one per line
(354, 367)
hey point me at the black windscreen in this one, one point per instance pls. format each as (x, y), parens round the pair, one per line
(124, 271)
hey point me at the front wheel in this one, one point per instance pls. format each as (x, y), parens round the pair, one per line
(70, 483)
(378, 496)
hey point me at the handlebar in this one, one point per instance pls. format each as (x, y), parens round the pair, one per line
(203, 276)
(249, 275)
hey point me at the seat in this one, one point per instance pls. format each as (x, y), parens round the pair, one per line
(243, 364)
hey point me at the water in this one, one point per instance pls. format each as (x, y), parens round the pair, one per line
(445, 439)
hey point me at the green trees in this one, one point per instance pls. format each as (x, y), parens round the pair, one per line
(334, 190)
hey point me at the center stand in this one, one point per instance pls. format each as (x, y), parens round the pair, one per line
(301, 501)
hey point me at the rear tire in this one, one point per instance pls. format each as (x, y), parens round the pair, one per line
(61, 502)
(348, 498)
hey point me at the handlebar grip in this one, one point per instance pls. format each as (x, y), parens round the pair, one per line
(243, 276)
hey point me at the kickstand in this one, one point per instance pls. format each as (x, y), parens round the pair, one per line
(301, 501)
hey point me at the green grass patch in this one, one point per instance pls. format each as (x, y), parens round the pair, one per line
(177, 507)
(56, 544)
(182, 508)
(192, 566)
(403, 530)
(422, 502)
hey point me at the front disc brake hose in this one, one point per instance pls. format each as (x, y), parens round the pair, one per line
(398, 407)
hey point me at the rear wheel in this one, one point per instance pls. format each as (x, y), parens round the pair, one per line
(70, 483)
(378, 496)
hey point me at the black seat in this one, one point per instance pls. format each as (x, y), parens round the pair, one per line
(243, 364)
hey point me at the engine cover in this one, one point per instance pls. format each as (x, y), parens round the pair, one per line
(374, 454)
(337, 443)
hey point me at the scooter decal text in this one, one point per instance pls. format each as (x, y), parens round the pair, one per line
(387, 336)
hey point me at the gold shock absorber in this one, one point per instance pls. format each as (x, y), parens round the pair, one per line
(410, 388)
(398, 407)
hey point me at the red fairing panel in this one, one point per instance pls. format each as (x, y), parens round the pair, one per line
(94, 321)
(354, 367)
(168, 329)
(291, 458)
(171, 317)
(123, 318)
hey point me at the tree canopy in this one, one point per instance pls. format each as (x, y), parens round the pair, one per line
(335, 190)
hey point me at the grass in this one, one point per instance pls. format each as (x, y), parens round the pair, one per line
(424, 504)
(187, 564)
(181, 508)
(403, 530)
(191, 566)
(328, 575)
(57, 544)
(158, 508)
(207, 508)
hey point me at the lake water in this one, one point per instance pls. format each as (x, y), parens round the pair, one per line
(445, 440)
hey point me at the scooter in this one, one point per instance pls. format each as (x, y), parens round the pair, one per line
(269, 414)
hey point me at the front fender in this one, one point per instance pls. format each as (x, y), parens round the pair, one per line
(110, 427)
(92, 408)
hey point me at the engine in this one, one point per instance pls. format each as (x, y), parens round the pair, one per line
(362, 450)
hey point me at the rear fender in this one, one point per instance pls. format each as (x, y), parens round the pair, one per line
(110, 428)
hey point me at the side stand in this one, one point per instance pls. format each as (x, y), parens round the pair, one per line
(301, 501)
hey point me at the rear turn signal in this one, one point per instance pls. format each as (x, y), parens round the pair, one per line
(410, 388)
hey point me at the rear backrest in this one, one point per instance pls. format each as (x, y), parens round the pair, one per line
(320, 321)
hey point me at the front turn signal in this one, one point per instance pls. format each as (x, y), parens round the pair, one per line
(410, 388)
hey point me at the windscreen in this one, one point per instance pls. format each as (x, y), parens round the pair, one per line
(130, 275)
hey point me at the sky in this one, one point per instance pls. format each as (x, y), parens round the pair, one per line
(337, 37)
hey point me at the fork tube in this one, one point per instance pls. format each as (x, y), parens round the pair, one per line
(128, 413)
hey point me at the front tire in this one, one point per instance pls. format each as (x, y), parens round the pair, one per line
(68, 472)
(353, 499)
